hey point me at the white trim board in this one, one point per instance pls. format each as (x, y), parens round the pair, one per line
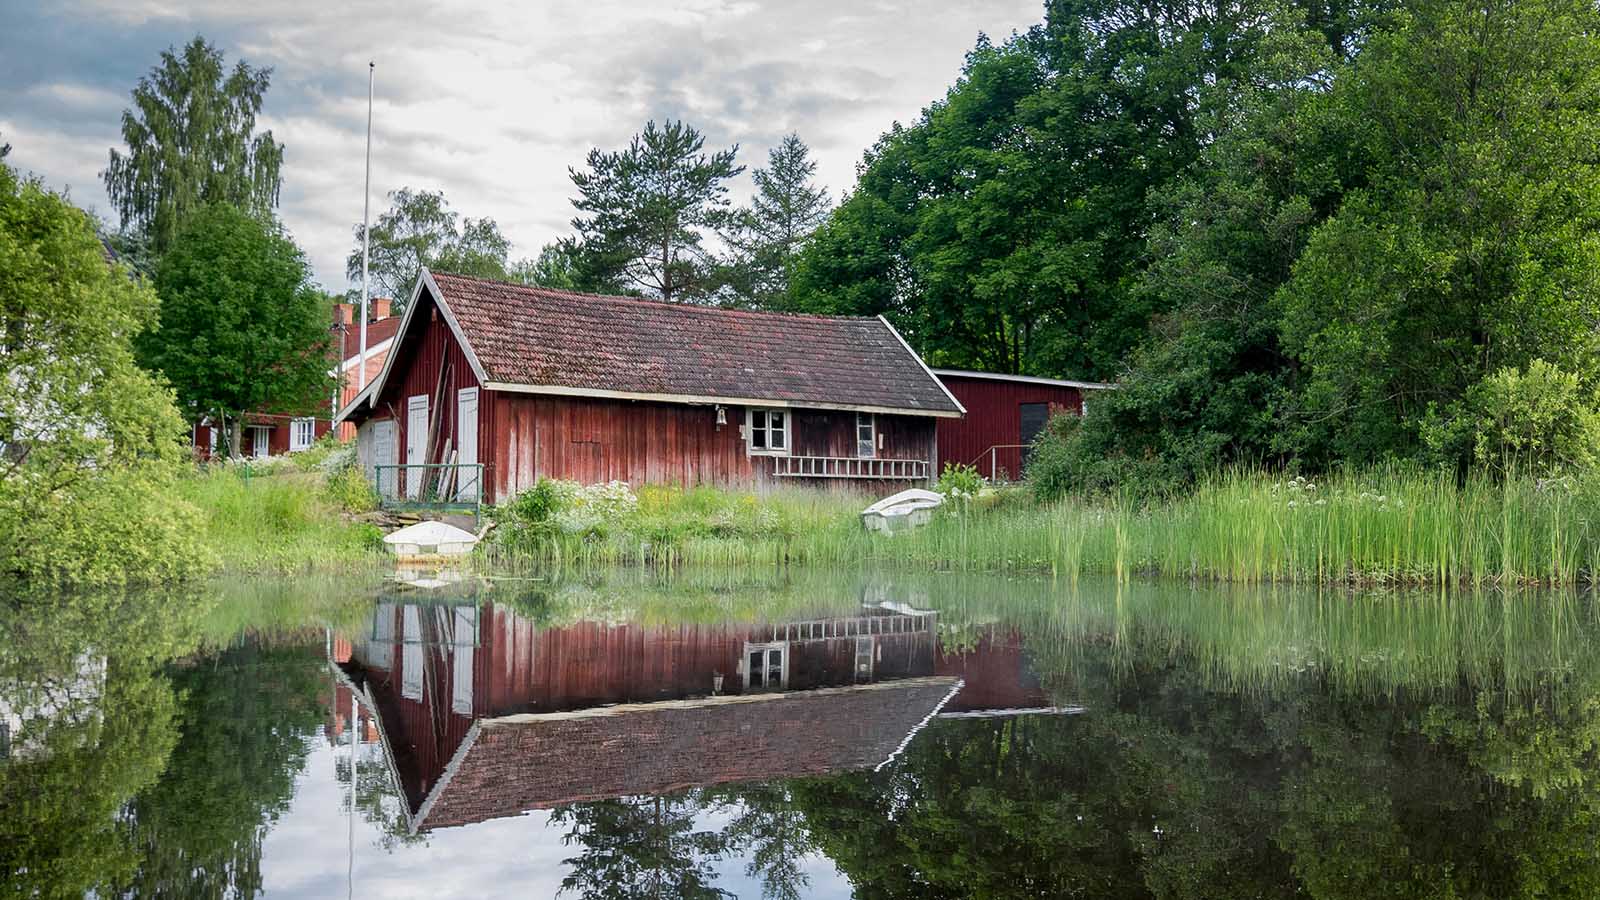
(708, 400)
(914, 355)
(1027, 379)
(353, 361)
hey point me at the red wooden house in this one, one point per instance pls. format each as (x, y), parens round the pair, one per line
(1004, 415)
(528, 382)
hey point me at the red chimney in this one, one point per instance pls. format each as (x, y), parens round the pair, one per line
(380, 307)
(344, 313)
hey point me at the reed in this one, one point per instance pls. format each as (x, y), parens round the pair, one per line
(1386, 525)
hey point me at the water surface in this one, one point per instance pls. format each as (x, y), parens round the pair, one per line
(798, 735)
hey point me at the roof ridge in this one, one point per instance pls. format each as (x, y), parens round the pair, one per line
(652, 301)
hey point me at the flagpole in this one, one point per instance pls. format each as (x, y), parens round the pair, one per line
(366, 211)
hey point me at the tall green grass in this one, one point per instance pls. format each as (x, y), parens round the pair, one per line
(277, 523)
(1388, 525)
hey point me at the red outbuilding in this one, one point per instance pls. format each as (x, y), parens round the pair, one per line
(1005, 413)
(490, 386)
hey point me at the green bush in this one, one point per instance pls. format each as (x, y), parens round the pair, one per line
(1541, 420)
(348, 487)
(327, 453)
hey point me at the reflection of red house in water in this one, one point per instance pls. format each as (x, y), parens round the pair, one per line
(484, 714)
(997, 675)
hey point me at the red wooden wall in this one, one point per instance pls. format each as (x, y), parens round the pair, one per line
(591, 440)
(994, 416)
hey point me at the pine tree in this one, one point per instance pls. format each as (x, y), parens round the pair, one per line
(649, 209)
(787, 208)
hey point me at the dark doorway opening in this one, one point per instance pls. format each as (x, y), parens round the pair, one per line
(1034, 417)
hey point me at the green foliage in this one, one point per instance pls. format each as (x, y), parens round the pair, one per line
(645, 213)
(1006, 228)
(558, 266)
(1385, 525)
(768, 236)
(191, 144)
(421, 230)
(349, 489)
(1474, 249)
(280, 523)
(89, 443)
(959, 483)
(531, 514)
(241, 328)
(1541, 420)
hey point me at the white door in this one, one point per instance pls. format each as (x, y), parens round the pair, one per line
(260, 437)
(465, 638)
(467, 437)
(384, 453)
(416, 442)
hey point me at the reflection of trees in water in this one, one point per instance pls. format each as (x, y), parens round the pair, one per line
(59, 829)
(769, 827)
(248, 715)
(98, 725)
(1171, 789)
(635, 847)
(1168, 787)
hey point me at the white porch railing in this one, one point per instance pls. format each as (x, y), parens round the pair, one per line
(854, 626)
(849, 467)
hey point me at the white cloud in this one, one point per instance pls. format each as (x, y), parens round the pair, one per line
(491, 103)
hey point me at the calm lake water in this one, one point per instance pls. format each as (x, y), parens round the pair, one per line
(715, 735)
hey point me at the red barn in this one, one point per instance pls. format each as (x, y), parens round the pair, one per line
(528, 382)
(1004, 415)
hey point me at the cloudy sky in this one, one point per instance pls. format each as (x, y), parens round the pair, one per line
(488, 102)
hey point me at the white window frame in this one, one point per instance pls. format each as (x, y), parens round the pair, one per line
(779, 647)
(298, 441)
(763, 416)
(866, 447)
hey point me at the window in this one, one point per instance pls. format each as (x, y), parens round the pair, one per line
(769, 431)
(301, 433)
(866, 436)
(766, 666)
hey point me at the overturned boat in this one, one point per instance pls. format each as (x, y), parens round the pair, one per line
(903, 511)
(430, 540)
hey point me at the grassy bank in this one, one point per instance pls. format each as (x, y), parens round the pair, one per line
(1387, 525)
(279, 519)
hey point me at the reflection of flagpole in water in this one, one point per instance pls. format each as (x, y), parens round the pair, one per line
(350, 871)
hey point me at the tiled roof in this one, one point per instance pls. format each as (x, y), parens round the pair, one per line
(518, 763)
(534, 336)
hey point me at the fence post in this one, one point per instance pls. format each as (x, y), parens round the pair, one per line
(992, 468)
